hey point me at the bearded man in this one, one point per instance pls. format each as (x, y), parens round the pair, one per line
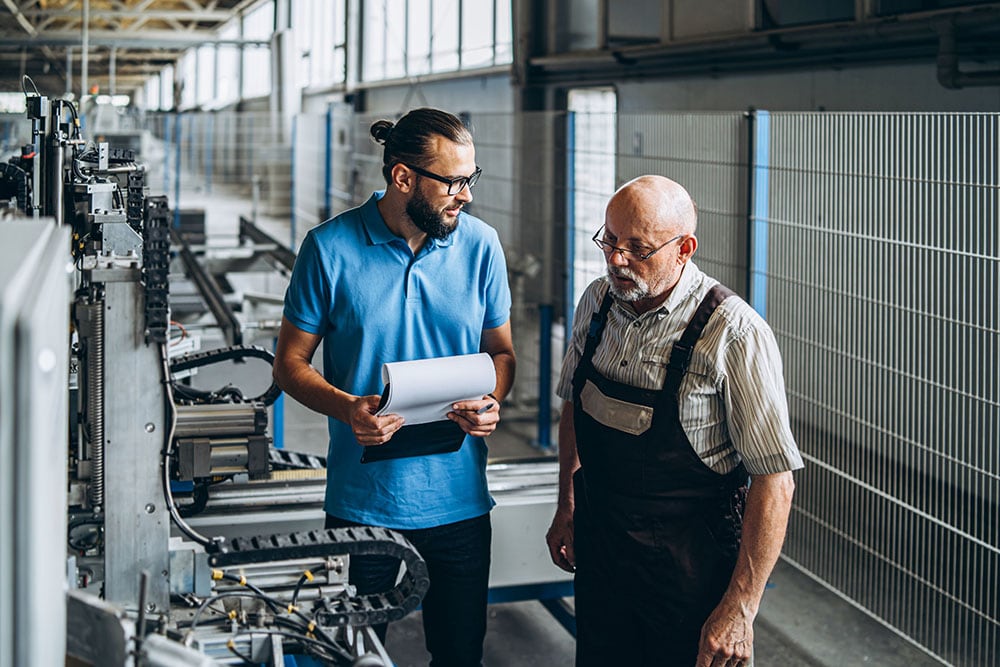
(408, 275)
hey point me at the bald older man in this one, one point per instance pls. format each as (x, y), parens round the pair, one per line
(674, 401)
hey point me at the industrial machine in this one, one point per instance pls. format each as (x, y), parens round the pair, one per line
(147, 451)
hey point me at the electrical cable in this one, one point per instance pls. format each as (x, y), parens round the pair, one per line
(211, 545)
(338, 651)
(27, 79)
(307, 575)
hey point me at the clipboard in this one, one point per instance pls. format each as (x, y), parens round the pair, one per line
(440, 437)
(422, 392)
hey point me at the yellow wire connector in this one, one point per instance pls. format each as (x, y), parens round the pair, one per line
(308, 575)
(217, 574)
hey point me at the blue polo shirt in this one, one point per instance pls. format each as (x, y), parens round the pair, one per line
(361, 287)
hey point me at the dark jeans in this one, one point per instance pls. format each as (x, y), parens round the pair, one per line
(454, 609)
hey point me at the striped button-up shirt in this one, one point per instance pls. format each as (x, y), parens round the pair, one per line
(732, 399)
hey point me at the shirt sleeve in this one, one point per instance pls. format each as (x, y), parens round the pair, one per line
(756, 405)
(497, 289)
(581, 323)
(309, 298)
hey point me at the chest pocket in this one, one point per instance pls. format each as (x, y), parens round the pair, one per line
(621, 415)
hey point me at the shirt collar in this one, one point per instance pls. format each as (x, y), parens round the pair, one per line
(375, 228)
(688, 282)
(378, 232)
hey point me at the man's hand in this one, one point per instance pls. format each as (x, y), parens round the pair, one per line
(368, 428)
(477, 418)
(560, 540)
(726, 638)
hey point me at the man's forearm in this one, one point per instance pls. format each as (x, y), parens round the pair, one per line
(504, 363)
(305, 384)
(764, 522)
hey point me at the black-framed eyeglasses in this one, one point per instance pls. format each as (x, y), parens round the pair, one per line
(455, 185)
(637, 255)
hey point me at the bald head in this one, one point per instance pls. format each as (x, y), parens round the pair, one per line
(657, 203)
(653, 219)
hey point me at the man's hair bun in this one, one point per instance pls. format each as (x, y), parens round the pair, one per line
(381, 129)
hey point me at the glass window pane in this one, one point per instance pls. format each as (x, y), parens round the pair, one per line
(228, 66)
(152, 101)
(418, 42)
(206, 75)
(373, 55)
(444, 36)
(167, 88)
(395, 38)
(304, 47)
(505, 43)
(258, 24)
(188, 79)
(477, 33)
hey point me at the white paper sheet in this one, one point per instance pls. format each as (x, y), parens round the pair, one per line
(424, 390)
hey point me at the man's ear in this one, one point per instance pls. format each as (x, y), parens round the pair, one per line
(403, 177)
(688, 246)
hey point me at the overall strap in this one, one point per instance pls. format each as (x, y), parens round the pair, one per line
(597, 322)
(680, 353)
(585, 366)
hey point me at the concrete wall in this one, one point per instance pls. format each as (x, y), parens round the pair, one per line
(887, 88)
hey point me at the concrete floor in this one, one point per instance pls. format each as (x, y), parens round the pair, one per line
(800, 622)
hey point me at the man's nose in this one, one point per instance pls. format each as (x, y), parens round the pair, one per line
(464, 195)
(617, 258)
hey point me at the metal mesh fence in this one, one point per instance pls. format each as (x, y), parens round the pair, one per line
(883, 277)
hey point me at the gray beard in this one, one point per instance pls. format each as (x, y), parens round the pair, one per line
(637, 293)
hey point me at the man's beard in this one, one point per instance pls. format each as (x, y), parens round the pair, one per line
(427, 220)
(638, 292)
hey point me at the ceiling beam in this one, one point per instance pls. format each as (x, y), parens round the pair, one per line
(21, 18)
(125, 38)
(214, 16)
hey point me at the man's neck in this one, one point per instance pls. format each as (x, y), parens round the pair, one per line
(393, 212)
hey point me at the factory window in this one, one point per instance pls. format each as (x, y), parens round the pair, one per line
(258, 24)
(152, 93)
(227, 78)
(187, 71)
(444, 35)
(206, 75)
(167, 95)
(418, 37)
(404, 38)
(595, 148)
(320, 41)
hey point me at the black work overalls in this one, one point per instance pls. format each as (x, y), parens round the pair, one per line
(656, 530)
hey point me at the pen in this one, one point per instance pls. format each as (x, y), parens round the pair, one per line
(484, 409)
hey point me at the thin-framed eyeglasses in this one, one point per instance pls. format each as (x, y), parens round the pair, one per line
(455, 185)
(636, 255)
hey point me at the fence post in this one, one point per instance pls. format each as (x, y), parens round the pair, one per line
(177, 170)
(760, 156)
(278, 410)
(544, 439)
(168, 140)
(570, 224)
(291, 204)
(328, 166)
(209, 148)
